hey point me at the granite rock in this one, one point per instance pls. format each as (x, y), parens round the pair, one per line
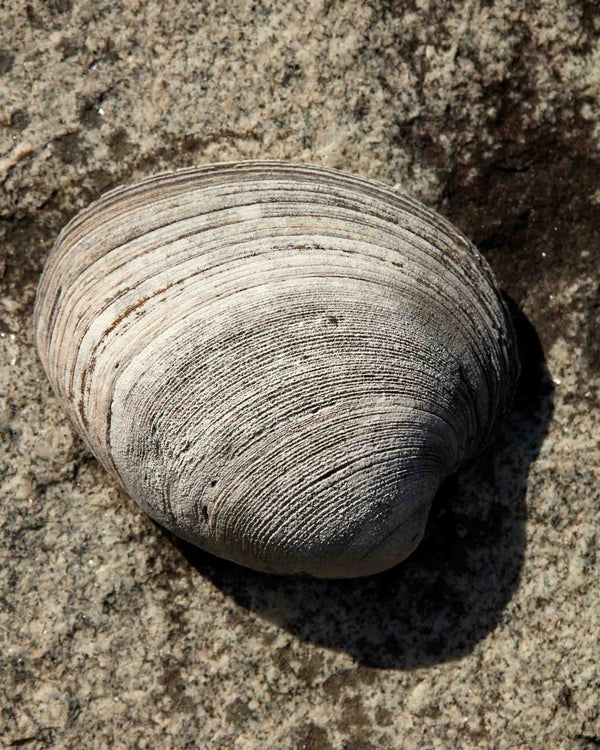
(115, 634)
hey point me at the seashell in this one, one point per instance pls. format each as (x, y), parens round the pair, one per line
(279, 363)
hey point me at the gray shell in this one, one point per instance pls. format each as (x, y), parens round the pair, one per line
(279, 363)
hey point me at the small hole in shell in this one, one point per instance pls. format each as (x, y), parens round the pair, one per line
(205, 513)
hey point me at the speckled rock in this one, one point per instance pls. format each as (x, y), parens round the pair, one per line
(114, 635)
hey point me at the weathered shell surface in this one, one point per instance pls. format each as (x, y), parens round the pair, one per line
(279, 363)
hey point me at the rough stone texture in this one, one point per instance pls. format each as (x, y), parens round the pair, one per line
(113, 634)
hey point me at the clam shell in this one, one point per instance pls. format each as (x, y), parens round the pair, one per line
(279, 363)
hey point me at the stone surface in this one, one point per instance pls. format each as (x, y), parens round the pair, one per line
(112, 633)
